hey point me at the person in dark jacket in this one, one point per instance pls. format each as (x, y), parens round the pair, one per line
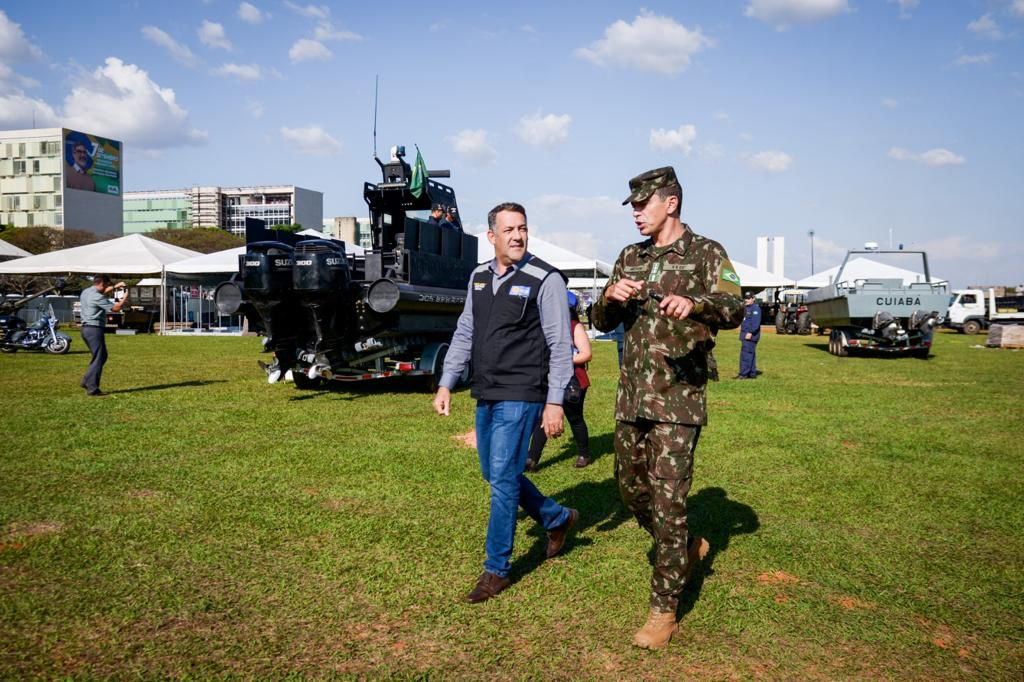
(515, 330)
(750, 334)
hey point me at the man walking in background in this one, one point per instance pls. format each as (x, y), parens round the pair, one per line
(94, 308)
(670, 292)
(515, 328)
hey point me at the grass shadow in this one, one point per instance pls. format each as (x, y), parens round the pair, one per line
(717, 518)
(599, 446)
(600, 508)
(161, 387)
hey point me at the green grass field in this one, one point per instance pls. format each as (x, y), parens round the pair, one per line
(865, 517)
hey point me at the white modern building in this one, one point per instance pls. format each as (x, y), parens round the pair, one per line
(223, 207)
(61, 178)
(351, 230)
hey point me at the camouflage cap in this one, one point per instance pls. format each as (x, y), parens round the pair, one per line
(644, 185)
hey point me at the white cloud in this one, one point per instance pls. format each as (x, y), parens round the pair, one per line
(721, 116)
(890, 103)
(326, 31)
(784, 13)
(251, 14)
(10, 80)
(906, 7)
(178, 51)
(582, 243)
(746, 137)
(666, 140)
(255, 108)
(1017, 8)
(17, 111)
(942, 157)
(711, 151)
(933, 157)
(562, 213)
(650, 43)
(14, 46)
(246, 72)
(305, 50)
(311, 140)
(770, 161)
(975, 59)
(212, 34)
(985, 27)
(544, 130)
(473, 146)
(122, 101)
(310, 11)
(959, 248)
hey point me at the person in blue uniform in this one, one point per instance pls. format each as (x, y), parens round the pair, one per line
(750, 334)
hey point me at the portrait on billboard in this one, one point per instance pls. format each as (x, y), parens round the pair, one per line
(92, 163)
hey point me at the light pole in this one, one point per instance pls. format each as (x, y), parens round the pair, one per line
(810, 234)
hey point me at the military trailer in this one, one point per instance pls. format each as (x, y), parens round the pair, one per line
(329, 315)
(879, 315)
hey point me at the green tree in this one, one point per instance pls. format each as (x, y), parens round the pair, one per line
(202, 239)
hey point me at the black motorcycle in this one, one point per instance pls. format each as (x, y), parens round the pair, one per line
(16, 334)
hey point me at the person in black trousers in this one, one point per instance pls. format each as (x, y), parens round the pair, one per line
(573, 403)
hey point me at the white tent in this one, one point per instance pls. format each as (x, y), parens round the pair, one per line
(11, 251)
(583, 272)
(755, 278)
(227, 260)
(863, 268)
(208, 263)
(133, 254)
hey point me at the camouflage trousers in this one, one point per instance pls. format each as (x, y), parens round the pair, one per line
(654, 468)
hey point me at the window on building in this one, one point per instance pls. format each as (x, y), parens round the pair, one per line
(19, 167)
(37, 202)
(9, 151)
(58, 201)
(21, 149)
(56, 183)
(53, 148)
(58, 218)
(35, 166)
(31, 220)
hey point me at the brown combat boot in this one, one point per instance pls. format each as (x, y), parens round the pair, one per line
(657, 631)
(487, 585)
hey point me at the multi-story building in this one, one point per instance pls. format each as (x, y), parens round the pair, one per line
(223, 207)
(60, 178)
(350, 230)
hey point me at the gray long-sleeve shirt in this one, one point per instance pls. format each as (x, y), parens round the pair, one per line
(553, 309)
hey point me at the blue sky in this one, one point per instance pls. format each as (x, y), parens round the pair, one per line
(848, 117)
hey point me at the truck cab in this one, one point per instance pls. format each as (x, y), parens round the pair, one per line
(967, 311)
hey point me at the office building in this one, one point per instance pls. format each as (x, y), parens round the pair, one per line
(60, 178)
(223, 207)
(350, 230)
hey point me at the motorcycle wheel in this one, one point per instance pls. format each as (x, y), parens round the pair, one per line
(58, 347)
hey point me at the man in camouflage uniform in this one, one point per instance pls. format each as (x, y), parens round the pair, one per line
(672, 292)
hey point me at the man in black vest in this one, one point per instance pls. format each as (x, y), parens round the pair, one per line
(515, 329)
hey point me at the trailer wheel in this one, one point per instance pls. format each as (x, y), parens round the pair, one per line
(972, 327)
(842, 346)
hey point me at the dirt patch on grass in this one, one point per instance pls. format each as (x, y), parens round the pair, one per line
(31, 529)
(143, 493)
(467, 439)
(777, 578)
(851, 603)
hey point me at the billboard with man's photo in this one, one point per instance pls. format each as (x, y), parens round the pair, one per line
(92, 163)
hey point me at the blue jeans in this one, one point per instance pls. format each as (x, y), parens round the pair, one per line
(503, 429)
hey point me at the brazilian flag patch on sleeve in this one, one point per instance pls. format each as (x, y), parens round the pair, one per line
(728, 280)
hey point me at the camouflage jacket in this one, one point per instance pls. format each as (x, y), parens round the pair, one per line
(665, 363)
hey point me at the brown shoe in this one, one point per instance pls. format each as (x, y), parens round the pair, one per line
(557, 536)
(582, 461)
(657, 631)
(487, 585)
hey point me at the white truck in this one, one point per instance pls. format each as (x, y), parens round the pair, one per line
(973, 310)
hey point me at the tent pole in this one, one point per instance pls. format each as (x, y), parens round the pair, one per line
(163, 299)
